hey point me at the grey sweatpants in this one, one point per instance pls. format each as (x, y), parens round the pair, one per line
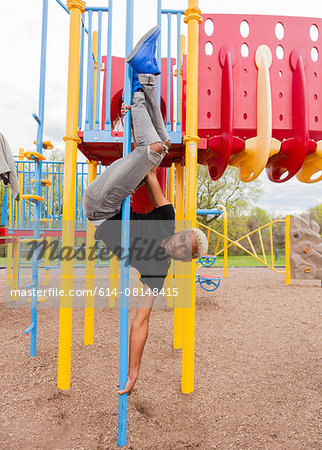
(104, 196)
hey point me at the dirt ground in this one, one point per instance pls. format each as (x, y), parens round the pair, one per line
(256, 375)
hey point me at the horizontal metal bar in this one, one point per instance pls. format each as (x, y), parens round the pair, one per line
(172, 11)
(205, 212)
(95, 8)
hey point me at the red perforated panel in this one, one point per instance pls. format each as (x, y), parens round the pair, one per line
(227, 31)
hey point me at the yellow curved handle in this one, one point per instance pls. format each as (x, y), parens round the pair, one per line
(312, 165)
(34, 198)
(34, 155)
(46, 145)
(46, 182)
(253, 158)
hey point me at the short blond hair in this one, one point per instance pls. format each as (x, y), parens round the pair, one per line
(202, 243)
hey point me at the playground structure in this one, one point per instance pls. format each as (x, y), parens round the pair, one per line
(273, 127)
(305, 249)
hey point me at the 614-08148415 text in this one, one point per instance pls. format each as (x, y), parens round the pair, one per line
(101, 292)
(139, 292)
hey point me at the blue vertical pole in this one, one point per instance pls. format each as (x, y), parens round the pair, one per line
(169, 74)
(76, 199)
(59, 196)
(89, 89)
(124, 306)
(81, 196)
(23, 212)
(4, 207)
(81, 77)
(159, 52)
(98, 72)
(38, 174)
(107, 125)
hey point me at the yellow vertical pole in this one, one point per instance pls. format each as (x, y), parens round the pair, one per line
(179, 281)
(272, 245)
(10, 246)
(16, 244)
(47, 261)
(168, 286)
(225, 240)
(287, 250)
(90, 231)
(114, 279)
(192, 18)
(179, 272)
(20, 182)
(76, 8)
(9, 264)
(171, 184)
(48, 239)
(15, 270)
(90, 270)
(95, 44)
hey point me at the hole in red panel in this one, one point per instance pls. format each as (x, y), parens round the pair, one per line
(314, 54)
(208, 114)
(280, 95)
(279, 31)
(280, 74)
(209, 49)
(245, 116)
(209, 69)
(244, 29)
(245, 94)
(209, 92)
(279, 52)
(209, 27)
(245, 72)
(314, 33)
(315, 97)
(281, 117)
(315, 74)
(316, 119)
(244, 50)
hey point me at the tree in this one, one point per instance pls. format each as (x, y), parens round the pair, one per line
(229, 191)
(237, 197)
(56, 154)
(258, 217)
(316, 214)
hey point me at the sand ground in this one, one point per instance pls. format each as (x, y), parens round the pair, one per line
(257, 375)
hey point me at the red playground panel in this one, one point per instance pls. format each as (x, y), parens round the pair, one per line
(228, 79)
(107, 152)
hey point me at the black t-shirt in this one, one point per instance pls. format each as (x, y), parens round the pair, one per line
(145, 252)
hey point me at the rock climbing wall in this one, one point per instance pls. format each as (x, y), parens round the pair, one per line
(306, 248)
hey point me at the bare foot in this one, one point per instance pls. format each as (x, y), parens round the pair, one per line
(128, 387)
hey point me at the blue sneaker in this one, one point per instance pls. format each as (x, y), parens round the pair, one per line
(135, 83)
(142, 58)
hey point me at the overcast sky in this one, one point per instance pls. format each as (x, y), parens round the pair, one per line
(20, 35)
